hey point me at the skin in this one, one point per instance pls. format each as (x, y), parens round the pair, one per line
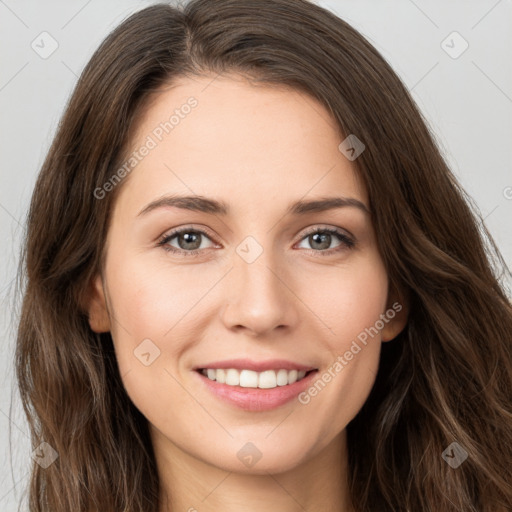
(258, 148)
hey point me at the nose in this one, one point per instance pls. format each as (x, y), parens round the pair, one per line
(260, 297)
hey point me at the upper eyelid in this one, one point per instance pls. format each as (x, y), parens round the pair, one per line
(320, 227)
(174, 232)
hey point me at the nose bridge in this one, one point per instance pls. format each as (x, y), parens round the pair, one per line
(258, 296)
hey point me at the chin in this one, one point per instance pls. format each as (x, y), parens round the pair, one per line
(259, 456)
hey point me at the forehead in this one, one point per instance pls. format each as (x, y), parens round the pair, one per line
(208, 135)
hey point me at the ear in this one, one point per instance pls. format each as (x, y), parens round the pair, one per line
(397, 303)
(96, 306)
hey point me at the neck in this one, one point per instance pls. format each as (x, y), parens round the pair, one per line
(189, 484)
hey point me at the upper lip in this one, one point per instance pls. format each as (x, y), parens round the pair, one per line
(257, 366)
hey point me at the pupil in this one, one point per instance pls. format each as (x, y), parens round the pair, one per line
(326, 242)
(191, 238)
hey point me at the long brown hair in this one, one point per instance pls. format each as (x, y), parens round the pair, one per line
(447, 378)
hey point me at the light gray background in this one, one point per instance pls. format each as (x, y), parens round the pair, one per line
(467, 100)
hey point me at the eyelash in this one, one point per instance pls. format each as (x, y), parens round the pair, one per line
(346, 242)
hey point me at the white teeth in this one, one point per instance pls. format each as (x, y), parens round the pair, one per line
(232, 377)
(250, 379)
(267, 379)
(219, 376)
(282, 378)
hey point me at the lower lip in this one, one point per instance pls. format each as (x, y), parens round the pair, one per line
(256, 399)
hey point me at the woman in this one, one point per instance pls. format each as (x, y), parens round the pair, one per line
(185, 344)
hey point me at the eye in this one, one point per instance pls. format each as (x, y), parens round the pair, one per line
(190, 241)
(321, 238)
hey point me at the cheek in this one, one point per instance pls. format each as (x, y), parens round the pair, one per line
(152, 299)
(157, 316)
(350, 305)
(346, 299)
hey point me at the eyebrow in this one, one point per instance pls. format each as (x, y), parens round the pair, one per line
(212, 206)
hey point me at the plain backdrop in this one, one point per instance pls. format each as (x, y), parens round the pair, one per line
(454, 56)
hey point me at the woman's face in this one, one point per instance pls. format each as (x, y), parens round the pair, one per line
(252, 279)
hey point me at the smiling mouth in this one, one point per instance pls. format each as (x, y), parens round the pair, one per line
(267, 379)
